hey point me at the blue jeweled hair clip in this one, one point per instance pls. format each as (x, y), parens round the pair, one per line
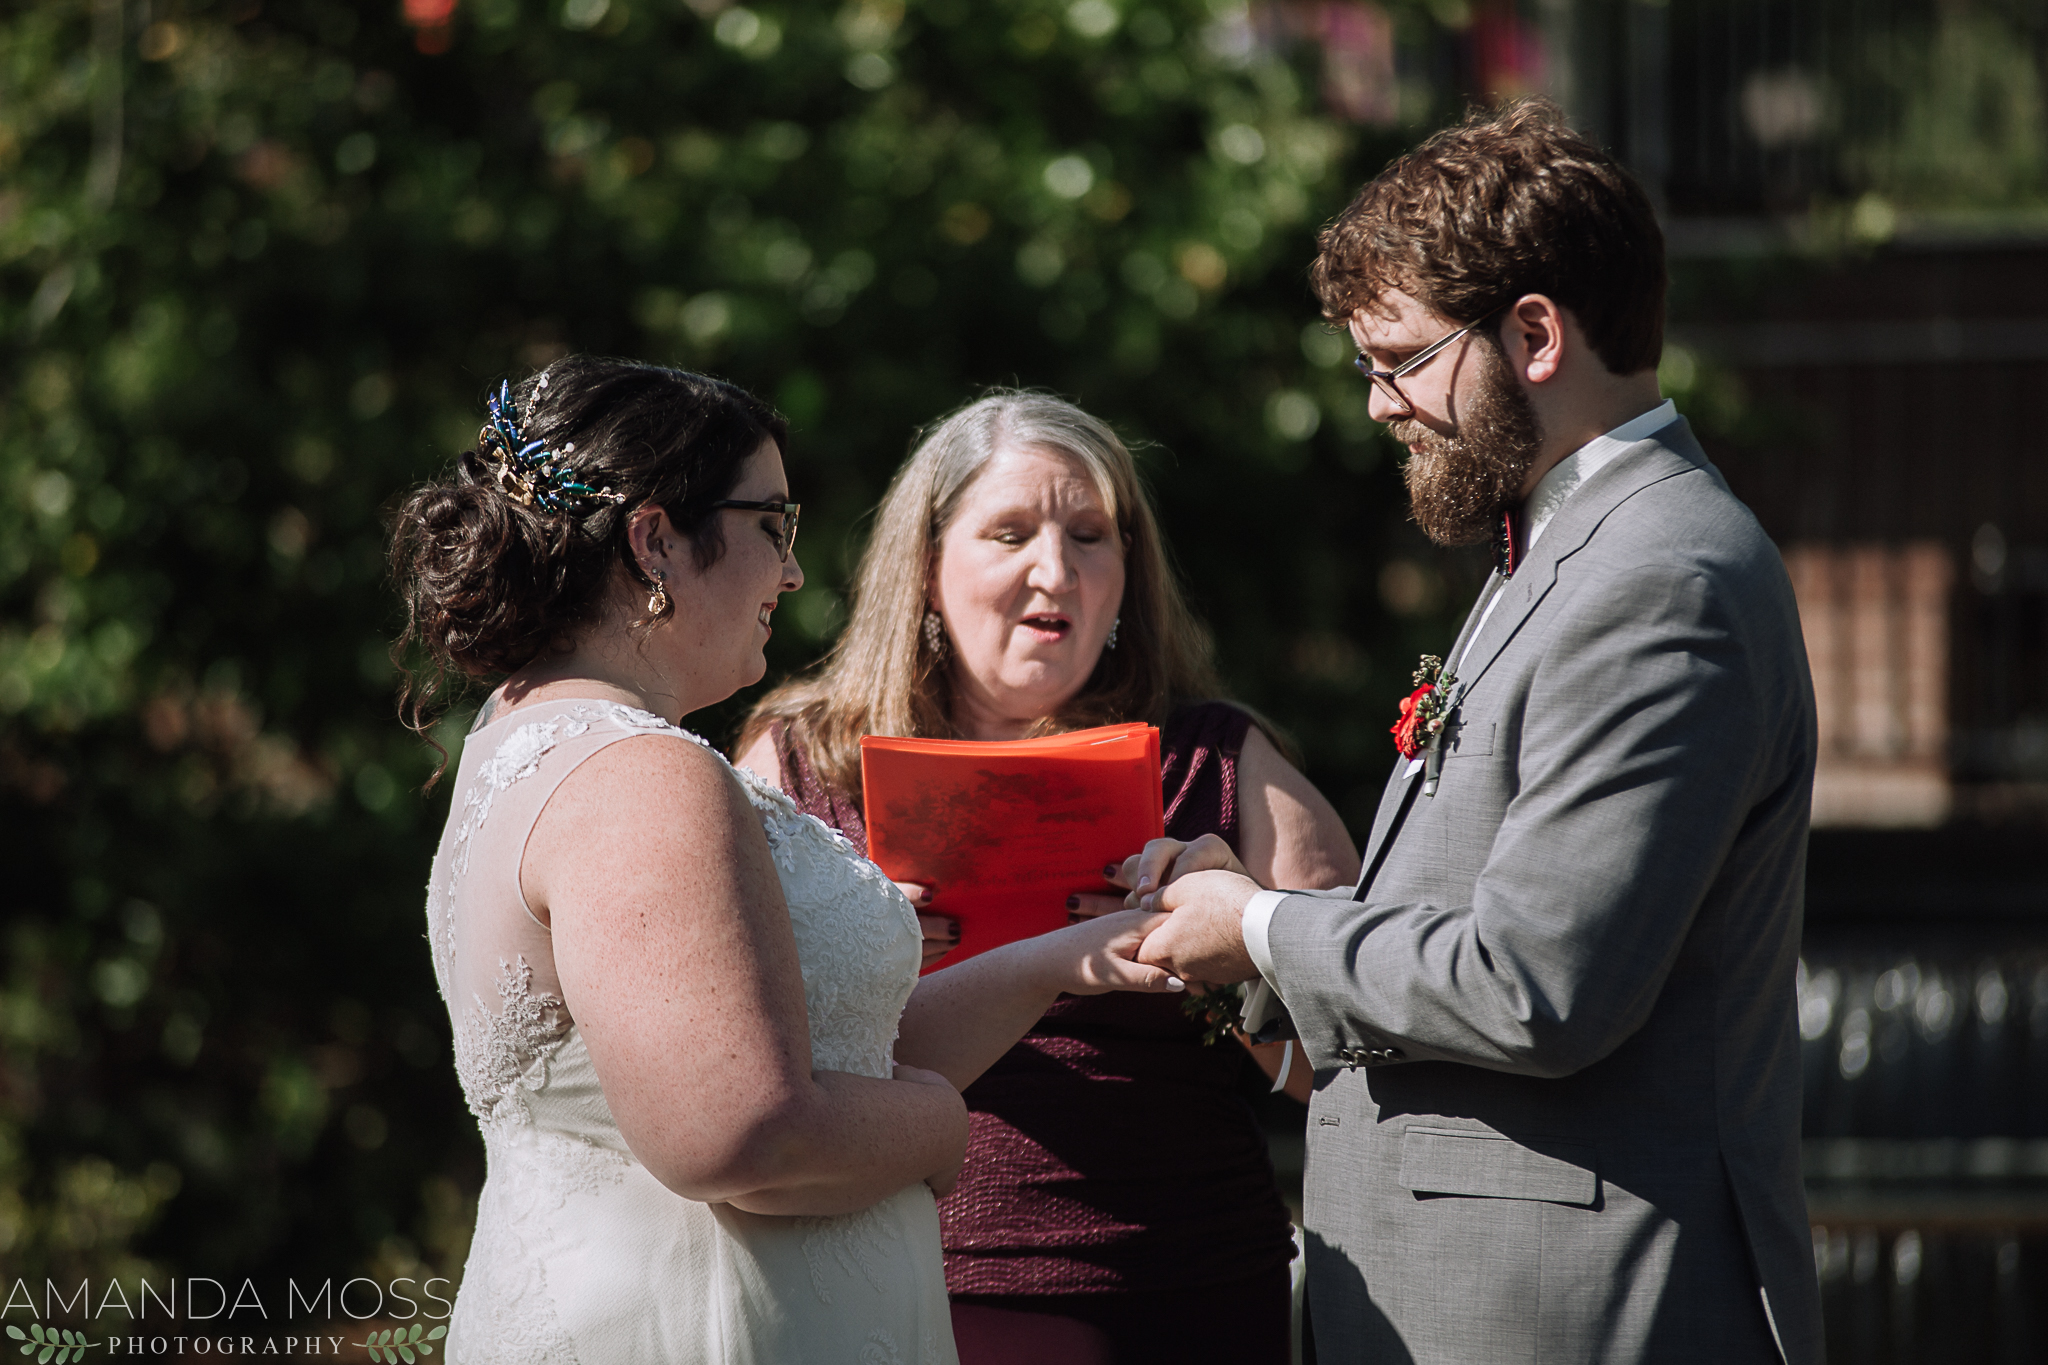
(529, 472)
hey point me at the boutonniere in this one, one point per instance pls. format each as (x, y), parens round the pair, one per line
(1424, 714)
(1216, 1009)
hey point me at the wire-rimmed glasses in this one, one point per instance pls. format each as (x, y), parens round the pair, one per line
(788, 511)
(1387, 381)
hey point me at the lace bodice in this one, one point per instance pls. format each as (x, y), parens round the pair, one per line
(580, 1255)
(857, 937)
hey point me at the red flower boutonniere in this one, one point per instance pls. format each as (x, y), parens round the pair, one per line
(1425, 710)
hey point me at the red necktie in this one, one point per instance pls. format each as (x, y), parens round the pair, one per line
(1507, 546)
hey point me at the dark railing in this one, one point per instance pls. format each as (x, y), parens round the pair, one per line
(1926, 1146)
(1923, 1011)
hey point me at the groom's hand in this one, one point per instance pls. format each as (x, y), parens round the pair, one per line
(1163, 860)
(1203, 938)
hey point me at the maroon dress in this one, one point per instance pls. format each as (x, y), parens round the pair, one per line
(1114, 1172)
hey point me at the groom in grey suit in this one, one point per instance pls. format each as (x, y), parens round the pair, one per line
(1557, 1093)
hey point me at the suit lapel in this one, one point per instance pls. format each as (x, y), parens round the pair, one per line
(1669, 453)
(1494, 584)
(1401, 783)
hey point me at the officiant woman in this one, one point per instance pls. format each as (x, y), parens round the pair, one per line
(1116, 1190)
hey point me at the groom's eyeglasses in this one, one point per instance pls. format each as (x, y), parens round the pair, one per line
(786, 539)
(1388, 381)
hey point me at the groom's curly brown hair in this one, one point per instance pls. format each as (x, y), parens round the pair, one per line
(1507, 203)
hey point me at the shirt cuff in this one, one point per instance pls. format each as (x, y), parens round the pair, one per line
(1258, 915)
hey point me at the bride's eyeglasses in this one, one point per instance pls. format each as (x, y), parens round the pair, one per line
(787, 510)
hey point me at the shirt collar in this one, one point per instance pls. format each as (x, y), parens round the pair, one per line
(1582, 464)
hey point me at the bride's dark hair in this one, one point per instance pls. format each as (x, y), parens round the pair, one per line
(489, 581)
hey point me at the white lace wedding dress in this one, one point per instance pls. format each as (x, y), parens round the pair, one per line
(580, 1255)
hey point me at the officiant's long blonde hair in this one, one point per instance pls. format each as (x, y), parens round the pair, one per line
(881, 678)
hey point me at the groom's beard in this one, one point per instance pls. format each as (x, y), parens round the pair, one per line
(1461, 484)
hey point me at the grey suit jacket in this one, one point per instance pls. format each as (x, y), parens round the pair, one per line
(1557, 1092)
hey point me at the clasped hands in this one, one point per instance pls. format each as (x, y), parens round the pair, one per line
(1201, 882)
(1206, 888)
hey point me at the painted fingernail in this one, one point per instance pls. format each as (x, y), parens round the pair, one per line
(1073, 902)
(1174, 983)
(1110, 870)
(953, 932)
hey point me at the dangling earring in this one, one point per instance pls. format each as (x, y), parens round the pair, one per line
(1110, 643)
(934, 632)
(657, 601)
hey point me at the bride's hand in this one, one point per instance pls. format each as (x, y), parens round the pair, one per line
(946, 1177)
(1099, 955)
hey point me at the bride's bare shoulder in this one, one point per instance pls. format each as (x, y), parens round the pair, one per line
(655, 771)
(649, 813)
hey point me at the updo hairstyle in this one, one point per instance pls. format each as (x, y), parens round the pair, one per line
(490, 583)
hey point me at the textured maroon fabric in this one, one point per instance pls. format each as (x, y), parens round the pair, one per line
(1111, 1150)
(801, 781)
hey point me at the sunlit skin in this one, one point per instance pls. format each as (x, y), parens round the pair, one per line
(1029, 576)
(1575, 397)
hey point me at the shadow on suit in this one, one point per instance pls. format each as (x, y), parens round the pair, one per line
(1338, 1284)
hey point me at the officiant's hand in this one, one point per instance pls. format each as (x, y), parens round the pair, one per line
(1087, 906)
(1202, 938)
(941, 932)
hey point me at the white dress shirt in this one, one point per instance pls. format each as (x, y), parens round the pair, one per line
(1552, 491)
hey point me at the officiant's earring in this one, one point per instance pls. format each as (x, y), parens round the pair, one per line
(1110, 643)
(657, 601)
(934, 632)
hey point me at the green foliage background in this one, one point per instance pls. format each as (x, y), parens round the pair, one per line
(260, 263)
(260, 260)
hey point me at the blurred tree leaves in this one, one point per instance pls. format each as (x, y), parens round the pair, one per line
(258, 261)
(1968, 124)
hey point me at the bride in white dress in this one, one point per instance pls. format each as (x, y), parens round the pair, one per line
(679, 1006)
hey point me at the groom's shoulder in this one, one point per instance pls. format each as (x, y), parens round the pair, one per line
(1683, 515)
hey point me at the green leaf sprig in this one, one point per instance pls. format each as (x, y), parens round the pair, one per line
(58, 1343)
(395, 1343)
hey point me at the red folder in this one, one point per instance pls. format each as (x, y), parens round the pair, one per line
(1003, 833)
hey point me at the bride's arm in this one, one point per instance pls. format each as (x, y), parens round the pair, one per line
(676, 958)
(960, 1020)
